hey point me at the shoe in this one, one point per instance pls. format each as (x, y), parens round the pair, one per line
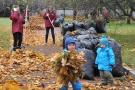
(14, 49)
(103, 84)
(19, 47)
(111, 83)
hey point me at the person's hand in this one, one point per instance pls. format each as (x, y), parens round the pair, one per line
(85, 61)
(47, 15)
(63, 61)
(15, 9)
(96, 65)
(52, 22)
(111, 66)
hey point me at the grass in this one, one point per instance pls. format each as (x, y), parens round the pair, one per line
(5, 33)
(125, 35)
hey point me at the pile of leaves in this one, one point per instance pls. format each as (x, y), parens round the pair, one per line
(35, 34)
(20, 65)
(35, 21)
(34, 38)
(68, 66)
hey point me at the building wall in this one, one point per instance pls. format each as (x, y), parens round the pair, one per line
(69, 12)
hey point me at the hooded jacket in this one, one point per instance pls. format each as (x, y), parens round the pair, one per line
(52, 16)
(105, 58)
(67, 41)
(17, 22)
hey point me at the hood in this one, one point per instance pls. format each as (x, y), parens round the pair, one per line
(69, 40)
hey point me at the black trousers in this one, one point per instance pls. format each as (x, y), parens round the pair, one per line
(17, 39)
(47, 32)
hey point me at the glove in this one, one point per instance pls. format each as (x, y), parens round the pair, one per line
(47, 14)
(15, 9)
(96, 65)
(111, 66)
(52, 22)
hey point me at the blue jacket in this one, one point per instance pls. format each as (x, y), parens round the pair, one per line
(105, 58)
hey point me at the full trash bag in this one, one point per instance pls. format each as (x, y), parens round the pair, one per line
(67, 26)
(92, 30)
(100, 26)
(118, 70)
(88, 67)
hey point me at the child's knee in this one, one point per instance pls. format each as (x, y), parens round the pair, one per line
(64, 88)
(77, 86)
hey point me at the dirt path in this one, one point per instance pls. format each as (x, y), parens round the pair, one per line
(48, 48)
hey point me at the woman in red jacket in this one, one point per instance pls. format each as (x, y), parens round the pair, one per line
(17, 27)
(50, 17)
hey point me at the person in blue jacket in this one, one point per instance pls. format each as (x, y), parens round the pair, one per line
(70, 45)
(105, 60)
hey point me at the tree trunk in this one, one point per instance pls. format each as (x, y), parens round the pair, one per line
(64, 12)
(128, 20)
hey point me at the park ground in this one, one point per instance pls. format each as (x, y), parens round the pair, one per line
(37, 57)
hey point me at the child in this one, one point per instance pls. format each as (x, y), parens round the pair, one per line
(50, 17)
(105, 60)
(76, 84)
(17, 27)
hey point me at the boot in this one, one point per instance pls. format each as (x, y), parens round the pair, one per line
(103, 84)
(111, 83)
(19, 47)
(14, 49)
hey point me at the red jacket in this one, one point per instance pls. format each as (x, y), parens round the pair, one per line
(24, 12)
(74, 12)
(52, 16)
(105, 13)
(17, 22)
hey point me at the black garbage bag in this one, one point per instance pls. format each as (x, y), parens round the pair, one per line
(100, 26)
(86, 43)
(118, 70)
(88, 68)
(89, 24)
(81, 37)
(79, 25)
(92, 30)
(57, 22)
(64, 28)
(67, 26)
(78, 32)
(61, 18)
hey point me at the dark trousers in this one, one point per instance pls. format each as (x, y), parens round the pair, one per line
(17, 39)
(106, 77)
(47, 32)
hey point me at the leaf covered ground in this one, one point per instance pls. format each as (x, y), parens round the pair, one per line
(31, 69)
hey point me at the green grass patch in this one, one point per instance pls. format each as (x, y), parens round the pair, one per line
(5, 33)
(124, 34)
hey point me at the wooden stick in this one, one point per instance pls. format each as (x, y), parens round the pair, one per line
(50, 21)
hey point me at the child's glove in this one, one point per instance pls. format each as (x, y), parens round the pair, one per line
(96, 66)
(111, 66)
